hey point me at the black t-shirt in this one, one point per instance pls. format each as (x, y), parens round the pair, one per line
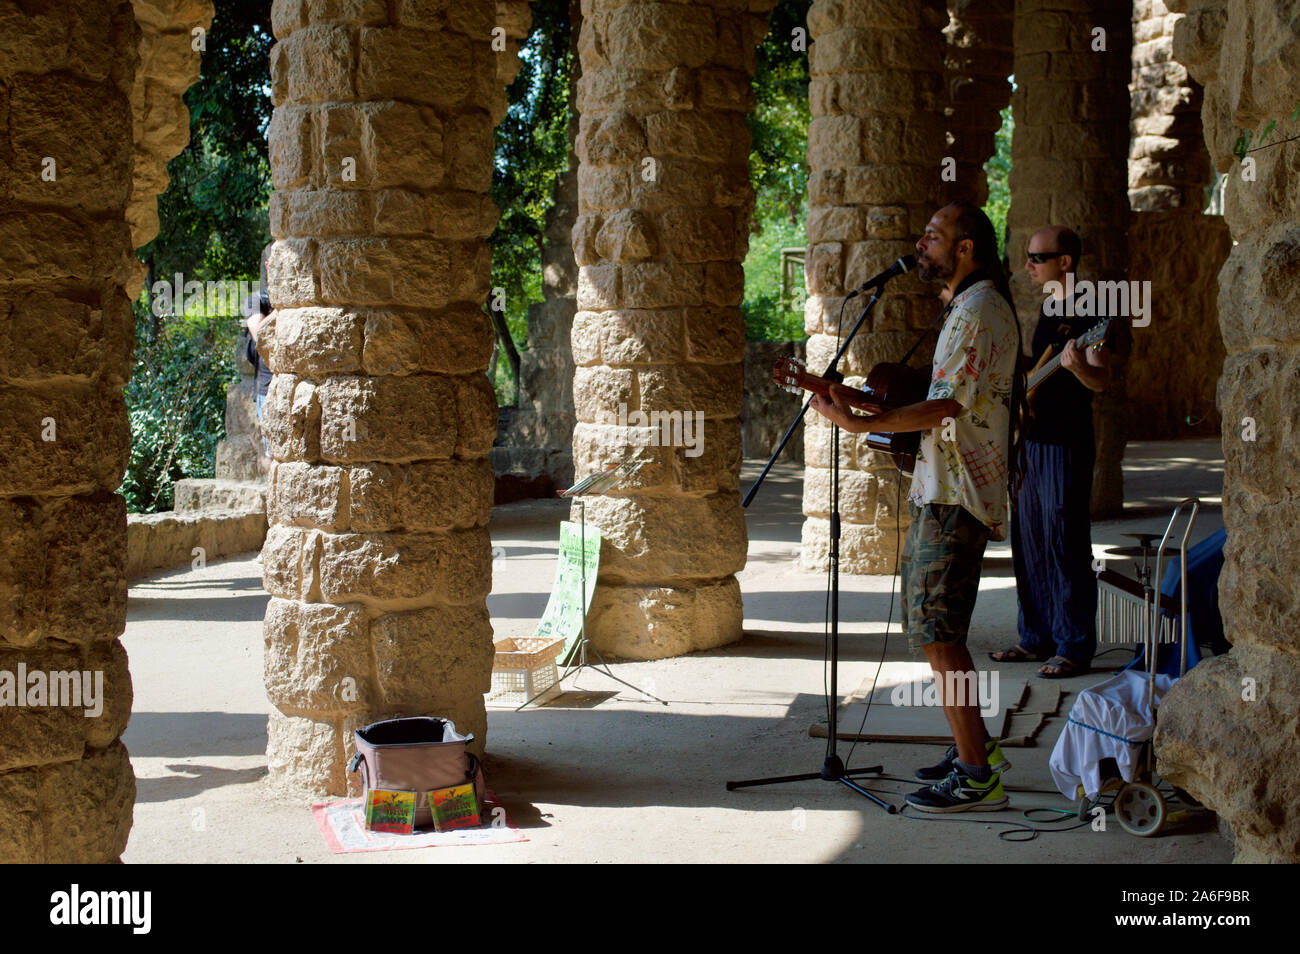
(1062, 404)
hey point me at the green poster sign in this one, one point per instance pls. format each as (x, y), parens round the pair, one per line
(563, 616)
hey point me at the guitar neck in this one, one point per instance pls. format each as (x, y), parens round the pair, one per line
(1043, 373)
(850, 396)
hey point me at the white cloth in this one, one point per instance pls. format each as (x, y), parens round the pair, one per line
(1111, 719)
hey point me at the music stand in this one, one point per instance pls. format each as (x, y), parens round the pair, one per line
(598, 483)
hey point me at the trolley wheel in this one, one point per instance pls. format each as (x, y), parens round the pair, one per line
(1082, 807)
(1140, 809)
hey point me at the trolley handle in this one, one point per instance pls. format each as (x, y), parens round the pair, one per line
(1182, 580)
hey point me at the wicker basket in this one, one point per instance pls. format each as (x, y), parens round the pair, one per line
(524, 669)
(525, 652)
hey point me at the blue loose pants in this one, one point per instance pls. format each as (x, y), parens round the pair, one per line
(1052, 553)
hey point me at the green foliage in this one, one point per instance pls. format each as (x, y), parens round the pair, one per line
(532, 152)
(779, 173)
(214, 213)
(998, 171)
(213, 225)
(766, 318)
(176, 403)
(1242, 146)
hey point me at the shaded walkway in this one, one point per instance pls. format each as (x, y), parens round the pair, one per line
(623, 781)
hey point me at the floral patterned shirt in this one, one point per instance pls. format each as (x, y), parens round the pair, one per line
(965, 462)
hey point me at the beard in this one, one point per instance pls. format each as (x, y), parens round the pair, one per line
(939, 271)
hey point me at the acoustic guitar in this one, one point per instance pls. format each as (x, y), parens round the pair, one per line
(888, 386)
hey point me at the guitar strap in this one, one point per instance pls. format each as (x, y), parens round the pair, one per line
(976, 276)
(938, 321)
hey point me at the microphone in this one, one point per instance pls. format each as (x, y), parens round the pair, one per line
(900, 267)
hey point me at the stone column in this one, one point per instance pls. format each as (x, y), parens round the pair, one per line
(380, 416)
(67, 276)
(1227, 731)
(977, 62)
(1176, 360)
(664, 206)
(1068, 168)
(874, 150)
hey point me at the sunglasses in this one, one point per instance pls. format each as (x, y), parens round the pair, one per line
(1038, 258)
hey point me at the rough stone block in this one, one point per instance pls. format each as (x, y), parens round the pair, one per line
(385, 271)
(318, 657)
(421, 496)
(57, 116)
(403, 146)
(316, 341)
(436, 660)
(304, 756)
(714, 335)
(385, 569)
(402, 64)
(303, 495)
(387, 418)
(714, 390)
(695, 538)
(655, 622)
(87, 804)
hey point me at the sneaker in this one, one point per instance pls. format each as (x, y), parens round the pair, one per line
(997, 762)
(960, 793)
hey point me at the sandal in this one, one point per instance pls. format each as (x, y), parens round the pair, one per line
(1015, 654)
(1065, 668)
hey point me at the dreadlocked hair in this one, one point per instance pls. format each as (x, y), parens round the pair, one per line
(971, 223)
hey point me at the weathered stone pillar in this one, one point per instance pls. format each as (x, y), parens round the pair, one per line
(1068, 153)
(977, 62)
(874, 150)
(69, 78)
(664, 207)
(1227, 731)
(380, 417)
(1172, 243)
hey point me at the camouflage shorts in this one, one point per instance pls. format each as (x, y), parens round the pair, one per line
(941, 573)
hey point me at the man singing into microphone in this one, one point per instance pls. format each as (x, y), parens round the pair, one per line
(959, 488)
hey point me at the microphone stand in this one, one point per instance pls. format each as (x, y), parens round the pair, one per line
(833, 769)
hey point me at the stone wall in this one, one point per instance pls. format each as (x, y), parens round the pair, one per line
(874, 150)
(1068, 168)
(68, 224)
(1227, 732)
(380, 417)
(768, 410)
(1176, 360)
(239, 454)
(663, 217)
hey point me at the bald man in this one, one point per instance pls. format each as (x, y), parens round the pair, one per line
(1050, 525)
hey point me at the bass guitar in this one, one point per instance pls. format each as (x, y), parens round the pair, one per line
(888, 386)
